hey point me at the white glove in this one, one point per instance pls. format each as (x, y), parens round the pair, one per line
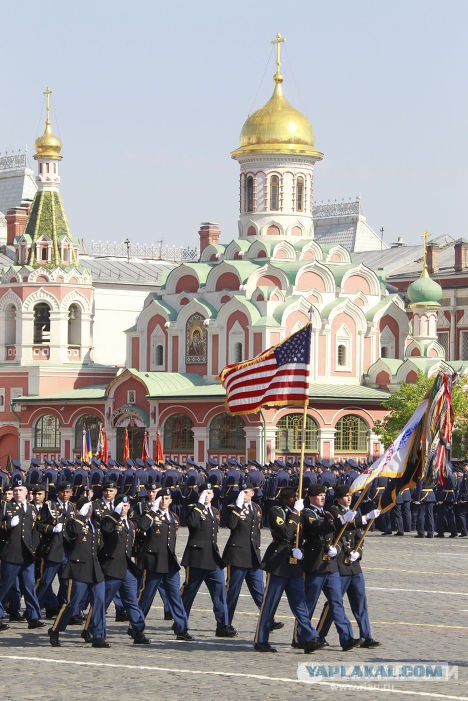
(417, 503)
(375, 513)
(299, 505)
(332, 551)
(58, 528)
(85, 509)
(298, 554)
(240, 499)
(353, 556)
(14, 521)
(119, 508)
(348, 516)
(156, 503)
(202, 497)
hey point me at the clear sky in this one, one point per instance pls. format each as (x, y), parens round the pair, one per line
(149, 99)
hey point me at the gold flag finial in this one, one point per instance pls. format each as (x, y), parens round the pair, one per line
(278, 41)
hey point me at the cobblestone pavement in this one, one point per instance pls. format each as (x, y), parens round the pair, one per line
(418, 602)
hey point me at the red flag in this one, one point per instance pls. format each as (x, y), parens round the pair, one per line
(145, 448)
(159, 457)
(278, 376)
(126, 446)
(105, 448)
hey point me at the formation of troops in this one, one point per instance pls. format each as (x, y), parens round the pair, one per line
(108, 533)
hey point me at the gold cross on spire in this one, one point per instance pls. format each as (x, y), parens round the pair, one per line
(47, 93)
(425, 236)
(278, 41)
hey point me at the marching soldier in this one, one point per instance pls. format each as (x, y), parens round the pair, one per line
(424, 498)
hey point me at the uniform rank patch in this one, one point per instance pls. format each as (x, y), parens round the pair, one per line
(279, 520)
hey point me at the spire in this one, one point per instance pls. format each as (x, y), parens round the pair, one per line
(278, 78)
(424, 271)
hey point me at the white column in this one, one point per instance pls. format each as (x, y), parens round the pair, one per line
(327, 435)
(200, 433)
(254, 433)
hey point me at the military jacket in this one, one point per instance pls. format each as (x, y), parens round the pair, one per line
(243, 546)
(115, 555)
(317, 532)
(18, 541)
(348, 541)
(283, 524)
(53, 544)
(159, 542)
(202, 545)
(83, 564)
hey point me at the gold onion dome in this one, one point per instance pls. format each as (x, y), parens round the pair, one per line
(48, 145)
(277, 127)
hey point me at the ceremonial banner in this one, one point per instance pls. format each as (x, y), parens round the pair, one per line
(278, 376)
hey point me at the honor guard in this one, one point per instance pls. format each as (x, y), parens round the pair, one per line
(203, 562)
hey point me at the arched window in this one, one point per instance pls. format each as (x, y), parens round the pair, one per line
(41, 323)
(227, 433)
(300, 194)
(384, 352)
(238, 353)
(178, 434)
(74, 325)
(159, 354)
(341, 355)
(274, 192)
(47, 433)
(10, 325)
(289, 434)
(44, 253)
(351, 435)
(249, 194)
(87, 422)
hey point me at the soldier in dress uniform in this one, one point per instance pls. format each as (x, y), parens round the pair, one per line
(321, 567)
(202, 560)
(120, 572)
(230, 488)
(461, 506)
(256, 479)
(349, 568)
(284, 574)
(84, 574)
(158, 562)
(215, 478)
(424, 499)
(50, 523)
(18, 554)
(445, 500)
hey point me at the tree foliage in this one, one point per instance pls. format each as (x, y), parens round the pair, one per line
(402, 404)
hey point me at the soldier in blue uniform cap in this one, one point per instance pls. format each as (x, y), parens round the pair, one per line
(215, 478)
(445, 498)
(230, 488)
(424, 498)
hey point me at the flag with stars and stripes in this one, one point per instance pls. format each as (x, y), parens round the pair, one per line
(278, 376)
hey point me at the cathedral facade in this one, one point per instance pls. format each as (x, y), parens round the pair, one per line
(238, 299)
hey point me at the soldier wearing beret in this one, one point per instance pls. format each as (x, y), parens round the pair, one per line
(85, 576)
(158, 561)
(18, 554)
(202, 560)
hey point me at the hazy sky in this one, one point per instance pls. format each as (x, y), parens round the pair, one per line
(150, 98)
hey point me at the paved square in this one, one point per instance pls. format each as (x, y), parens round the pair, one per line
(418, 602)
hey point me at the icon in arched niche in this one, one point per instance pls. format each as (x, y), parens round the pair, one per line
(195, 340)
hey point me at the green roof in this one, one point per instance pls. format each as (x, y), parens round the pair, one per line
(91, 393)
(47, 218)
(290, 268)
(280, 308)
(339, 270)
(385, 301)
(244, 267)
(170, 311)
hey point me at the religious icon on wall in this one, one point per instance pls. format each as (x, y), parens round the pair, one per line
(195, 340)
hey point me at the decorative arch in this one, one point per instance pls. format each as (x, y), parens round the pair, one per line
(360, 279)
(289, 434)
(351, 435)
(178, 433)
(8, 298)
(41, 295)
(226, 433)
(47, 433)
(284, 251)
(75, 297)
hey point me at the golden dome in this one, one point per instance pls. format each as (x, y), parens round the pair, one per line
(48, 145)
(277, 127)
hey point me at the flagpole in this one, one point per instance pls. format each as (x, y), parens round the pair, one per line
(354, 508)
(301, 466)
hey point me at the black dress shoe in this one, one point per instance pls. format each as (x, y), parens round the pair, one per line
(130, 632)
(54, 638)
(141, 639)
(430, 535)
(453, 535)
(121, 617)
(398, 533)
(4, 626)
(76, 620)
(419, 536)
(264, 647)
(386, 533)
(277, 625)
(17, 617)
(226, 632)
(87, 637)
(36, 623)
(313, 645)
(440, 535)
(370, 642)
(167, 616)
(297, 645)
(348, 645)
(100, 642)
(185, 636)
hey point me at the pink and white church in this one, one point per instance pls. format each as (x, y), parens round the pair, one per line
(238, 299)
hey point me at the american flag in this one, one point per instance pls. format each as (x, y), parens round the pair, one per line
(278, 376)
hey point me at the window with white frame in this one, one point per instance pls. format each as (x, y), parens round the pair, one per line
(158, 342)
(131, 396)
(444, 339)
(387, 344)
(2, 399)
(343, 349)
